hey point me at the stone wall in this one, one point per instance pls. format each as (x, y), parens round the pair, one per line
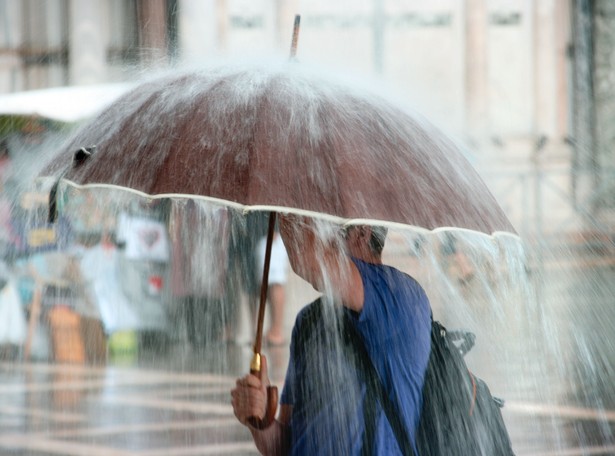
(594, 106)
(604, 99)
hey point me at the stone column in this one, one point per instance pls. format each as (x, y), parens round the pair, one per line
(152, 17)
(545, 87)
(11, 39)
(476, 68)
(197, 29)
(222, 25)
(594, 108)
(87, 61)
(379, 25)
(584, 159)
(604, 101)
(562, 13)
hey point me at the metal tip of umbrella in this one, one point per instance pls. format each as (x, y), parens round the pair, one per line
(295, 39)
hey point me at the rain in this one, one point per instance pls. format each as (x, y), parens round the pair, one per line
(148, 150)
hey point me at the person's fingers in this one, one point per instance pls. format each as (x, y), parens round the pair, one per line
(243, 408)
(248, 398)
(238, 410)
(249, 381)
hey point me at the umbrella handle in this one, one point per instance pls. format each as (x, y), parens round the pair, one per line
(272, 406)
(272, 399)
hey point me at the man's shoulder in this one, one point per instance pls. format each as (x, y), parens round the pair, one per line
(308, 318)
(407, 280)
(310, 313)
(390, 275)
(387, 285)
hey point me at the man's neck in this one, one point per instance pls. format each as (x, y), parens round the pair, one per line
(365, 253)
(369, 258)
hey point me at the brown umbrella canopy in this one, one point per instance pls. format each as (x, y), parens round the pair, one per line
(283, 137)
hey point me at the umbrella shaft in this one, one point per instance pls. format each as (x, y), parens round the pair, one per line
(265, 285)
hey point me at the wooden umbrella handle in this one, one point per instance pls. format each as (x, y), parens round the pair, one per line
(272, 407)
(272, 403)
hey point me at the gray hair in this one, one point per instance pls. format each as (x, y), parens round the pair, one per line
(377, 239)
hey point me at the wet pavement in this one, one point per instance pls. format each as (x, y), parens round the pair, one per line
(562, 401)
(555, 372)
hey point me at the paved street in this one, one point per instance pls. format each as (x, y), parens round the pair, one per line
(558, 385)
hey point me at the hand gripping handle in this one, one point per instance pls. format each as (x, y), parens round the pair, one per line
(272, 398)
(272, 406)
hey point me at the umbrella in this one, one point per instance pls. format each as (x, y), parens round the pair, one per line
(280, 137)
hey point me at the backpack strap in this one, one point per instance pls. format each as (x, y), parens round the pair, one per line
(376, 389)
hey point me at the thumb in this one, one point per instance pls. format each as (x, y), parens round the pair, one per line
(264, 371)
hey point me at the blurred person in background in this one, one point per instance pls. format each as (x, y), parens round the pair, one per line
(199, 235)
(278, 275)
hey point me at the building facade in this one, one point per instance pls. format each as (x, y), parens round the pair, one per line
(485, 68)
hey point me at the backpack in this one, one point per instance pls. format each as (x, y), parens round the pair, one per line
(459, 415)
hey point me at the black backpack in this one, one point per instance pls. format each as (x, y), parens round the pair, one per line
(459, 415)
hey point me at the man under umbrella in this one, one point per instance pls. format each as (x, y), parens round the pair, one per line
(323, 403)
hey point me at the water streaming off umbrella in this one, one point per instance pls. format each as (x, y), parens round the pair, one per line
(172, 278)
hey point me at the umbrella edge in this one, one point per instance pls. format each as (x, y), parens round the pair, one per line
(291, 210)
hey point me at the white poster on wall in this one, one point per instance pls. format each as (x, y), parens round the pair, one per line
(144, 239)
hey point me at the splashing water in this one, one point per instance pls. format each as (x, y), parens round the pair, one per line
(169, 279)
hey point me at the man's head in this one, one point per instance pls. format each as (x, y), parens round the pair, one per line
(312, 246)
(304, 247)
(365, 242)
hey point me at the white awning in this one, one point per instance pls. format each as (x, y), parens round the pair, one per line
(65, 104)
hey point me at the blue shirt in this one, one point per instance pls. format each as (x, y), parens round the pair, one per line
(322, 386)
